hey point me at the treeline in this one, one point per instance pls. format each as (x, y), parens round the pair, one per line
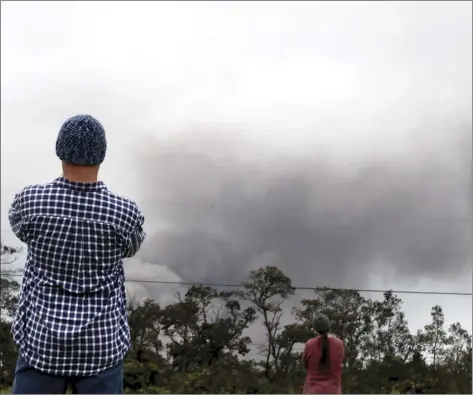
(200, 343)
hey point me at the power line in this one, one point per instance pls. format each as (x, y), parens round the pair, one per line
(303, 288)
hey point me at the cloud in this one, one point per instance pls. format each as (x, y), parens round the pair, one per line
(323, 223)
(163, 294)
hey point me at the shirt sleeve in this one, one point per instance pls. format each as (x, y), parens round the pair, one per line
(17, 219)
(135, 238)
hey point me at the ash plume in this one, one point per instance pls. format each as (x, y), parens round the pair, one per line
(218, 207)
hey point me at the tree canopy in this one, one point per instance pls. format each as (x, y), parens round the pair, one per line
(200, 342)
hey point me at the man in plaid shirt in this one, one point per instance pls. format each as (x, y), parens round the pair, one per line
(71, 325)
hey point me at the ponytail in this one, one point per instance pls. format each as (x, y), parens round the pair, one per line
(325, 348)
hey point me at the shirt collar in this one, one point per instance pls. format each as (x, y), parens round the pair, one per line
(80, 186)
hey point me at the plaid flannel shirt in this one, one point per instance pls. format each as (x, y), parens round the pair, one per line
(71, 319)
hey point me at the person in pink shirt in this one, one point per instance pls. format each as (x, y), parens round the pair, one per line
(323, 359)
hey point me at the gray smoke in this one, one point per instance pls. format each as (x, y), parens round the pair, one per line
(221, 208)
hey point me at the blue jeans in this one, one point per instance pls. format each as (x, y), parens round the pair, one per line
(30, 381)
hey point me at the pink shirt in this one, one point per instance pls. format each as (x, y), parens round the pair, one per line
(323, 378)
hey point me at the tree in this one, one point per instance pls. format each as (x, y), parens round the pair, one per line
(290, 362)
(434, 336)
(143, 362)
(201, 333)
(8, 302)
(145, 326)
(267, 289)
(459, 349)
(9, 286)
(458, 358)
(200, 344)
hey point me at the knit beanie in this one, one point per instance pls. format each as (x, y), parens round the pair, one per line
(321, 323)
(81, 141)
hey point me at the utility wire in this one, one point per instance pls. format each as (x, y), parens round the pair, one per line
(302, 288)
(316, 288)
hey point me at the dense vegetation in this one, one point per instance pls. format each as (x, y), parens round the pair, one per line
(199, 344)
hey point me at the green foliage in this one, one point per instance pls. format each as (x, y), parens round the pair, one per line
(8, 300)
(199, 343)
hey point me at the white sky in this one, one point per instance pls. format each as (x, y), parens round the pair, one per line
(303, 74)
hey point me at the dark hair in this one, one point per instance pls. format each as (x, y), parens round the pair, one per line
(325, 348)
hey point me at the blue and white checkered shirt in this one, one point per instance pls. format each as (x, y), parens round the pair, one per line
(71, 319)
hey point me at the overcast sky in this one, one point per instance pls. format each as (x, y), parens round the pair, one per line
(332, 139)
